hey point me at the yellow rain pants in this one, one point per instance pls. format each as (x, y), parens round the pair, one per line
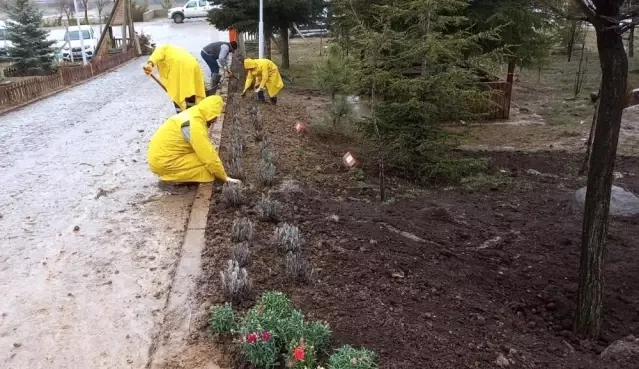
(181, 151)
(180, 73)
(264, 73)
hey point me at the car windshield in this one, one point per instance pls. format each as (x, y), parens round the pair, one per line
(75, 35)
(3, 34)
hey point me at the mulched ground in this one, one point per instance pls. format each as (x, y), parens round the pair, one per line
(438, 277)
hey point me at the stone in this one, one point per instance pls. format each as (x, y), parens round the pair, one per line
(622, 203)
(626, 349)
(502, 361)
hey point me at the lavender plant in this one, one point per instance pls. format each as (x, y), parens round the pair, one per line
(268, 210)
(288, 238)
(241, 254)
(236, 285)
(242, 230)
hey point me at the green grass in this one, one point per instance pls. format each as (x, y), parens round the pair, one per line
(304, 56)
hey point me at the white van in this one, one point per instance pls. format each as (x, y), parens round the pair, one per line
(192, 9)
(74, 47)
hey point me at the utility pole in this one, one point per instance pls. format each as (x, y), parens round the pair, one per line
(80, 34)
(260, 43)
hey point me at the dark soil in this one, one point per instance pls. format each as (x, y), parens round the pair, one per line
(438, 277)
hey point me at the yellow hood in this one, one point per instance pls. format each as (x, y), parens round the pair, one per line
(207, 109)
(250, 63)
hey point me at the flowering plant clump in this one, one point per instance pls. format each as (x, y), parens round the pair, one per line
(273, 329)
(300, 355)
(222, 318)
(348, 357)
(260, 349)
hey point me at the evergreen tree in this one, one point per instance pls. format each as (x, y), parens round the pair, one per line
(31, 52)
(419, 65)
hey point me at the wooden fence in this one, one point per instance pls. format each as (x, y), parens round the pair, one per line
(20, 92)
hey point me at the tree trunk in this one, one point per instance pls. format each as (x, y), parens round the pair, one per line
(584, 165)
(571, 41)
(286, 60)
(86, 14)
(614, 73)
(631, 42)
(267, 43)
(510, 78)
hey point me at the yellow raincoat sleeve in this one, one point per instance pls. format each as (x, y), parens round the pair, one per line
(249, 81)
(206, 152)
(158, 54)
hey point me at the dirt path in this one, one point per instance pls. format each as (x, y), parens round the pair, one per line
(88, 244)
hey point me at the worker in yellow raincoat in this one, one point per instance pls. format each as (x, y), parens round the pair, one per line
(180, 151)
(265, 74)
(180, 74)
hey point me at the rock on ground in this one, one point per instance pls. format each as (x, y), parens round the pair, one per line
(622, 203)
(626, 349)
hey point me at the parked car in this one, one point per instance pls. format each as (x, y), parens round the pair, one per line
(192, 9)
(73, 50)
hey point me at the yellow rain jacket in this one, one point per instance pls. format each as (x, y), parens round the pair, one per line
(180, 73)
(265, 73)
(181, 151)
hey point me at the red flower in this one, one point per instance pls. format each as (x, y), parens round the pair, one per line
(266, 336)
(251, 338)
(298, 353)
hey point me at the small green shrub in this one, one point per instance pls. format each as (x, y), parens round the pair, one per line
(222, 318)
(318, 334)
(348, 357)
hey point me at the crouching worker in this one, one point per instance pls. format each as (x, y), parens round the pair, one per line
(180, 74)
(181, 153)
(265, 74)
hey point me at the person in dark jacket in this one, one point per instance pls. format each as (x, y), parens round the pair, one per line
(215, 54)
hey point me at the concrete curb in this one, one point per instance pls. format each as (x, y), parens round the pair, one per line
(25, 104)
(181, 305)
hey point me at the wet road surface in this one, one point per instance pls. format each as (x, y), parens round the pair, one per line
(88, 243)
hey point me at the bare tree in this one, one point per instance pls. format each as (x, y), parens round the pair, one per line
(66, 8)
(85, 6)
(100, 5)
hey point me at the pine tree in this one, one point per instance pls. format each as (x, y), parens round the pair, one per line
(421, 63)
(31, 52)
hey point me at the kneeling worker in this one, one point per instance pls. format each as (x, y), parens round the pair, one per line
(265, 74)
(180, 151)
(215, 55)
(180, 74)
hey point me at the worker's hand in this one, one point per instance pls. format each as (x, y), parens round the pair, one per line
(258, 90)
(233, 180)
(148, 68)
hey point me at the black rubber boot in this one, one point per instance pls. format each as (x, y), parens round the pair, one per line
(274, 100)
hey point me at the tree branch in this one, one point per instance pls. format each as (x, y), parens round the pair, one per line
(561, 13)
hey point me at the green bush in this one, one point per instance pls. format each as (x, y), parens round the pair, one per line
(348, 357)
(222, 318)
